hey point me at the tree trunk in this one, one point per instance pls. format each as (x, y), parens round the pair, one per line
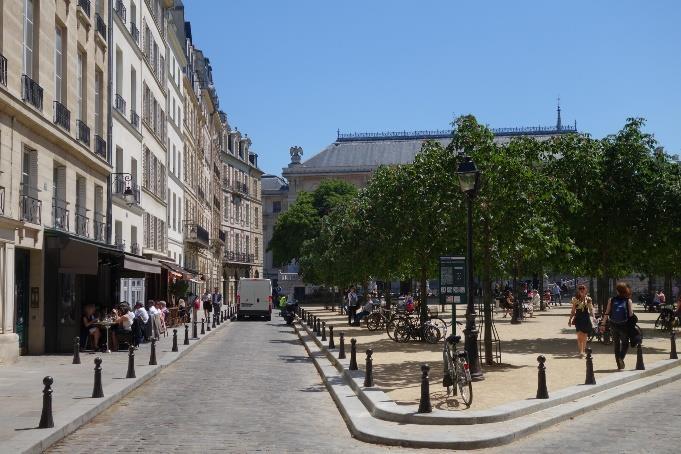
(602, 282)
(487, 294)
(424, 298)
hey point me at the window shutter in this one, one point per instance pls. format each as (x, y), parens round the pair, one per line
(60, 184)
(81, 196)
(145, 219)
(33, 174)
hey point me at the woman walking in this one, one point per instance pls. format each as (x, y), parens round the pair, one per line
(580, 317)
(619, 310)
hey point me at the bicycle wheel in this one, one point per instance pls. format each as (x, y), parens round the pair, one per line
(402, 332)
(390, 326)
(431, 334)
(449, 371)
(441, 325)
(464, 384)
(373, 322)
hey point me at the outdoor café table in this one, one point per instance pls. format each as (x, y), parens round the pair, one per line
(106, 324)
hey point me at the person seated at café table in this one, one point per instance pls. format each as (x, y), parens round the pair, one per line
(122, 323)
(366, 310)
(139, 323)
(89, 327)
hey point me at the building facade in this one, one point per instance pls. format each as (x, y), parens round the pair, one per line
(112, 149)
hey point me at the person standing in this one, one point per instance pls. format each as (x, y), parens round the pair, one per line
(216, 299)
(580, 317)
(619, 310)
(353, 302)
(206, 304)
(555, 290)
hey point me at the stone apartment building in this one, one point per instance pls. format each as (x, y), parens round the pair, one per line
(108, 191)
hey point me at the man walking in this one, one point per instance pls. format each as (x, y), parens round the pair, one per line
(556, 294)
(216, 298)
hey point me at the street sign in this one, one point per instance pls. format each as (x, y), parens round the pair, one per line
(453, 281)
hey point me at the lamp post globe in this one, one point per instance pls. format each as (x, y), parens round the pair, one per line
(469, 182)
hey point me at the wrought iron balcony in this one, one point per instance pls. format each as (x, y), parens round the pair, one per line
(60, 215)
(31, 92)
(2, 200)
(239, 257)
(134, 119)
(99, 226)
(100, 25)
(123, 185)
(120, 10)
(119, 104)
(194, 233)
(240, 187)
(135, 248)
(100, 147)
(62, 116)
(119, 244)
(134, 31)
(85, 6)
(83, 132)
(82, 224)
(3, 70)
(30, 209)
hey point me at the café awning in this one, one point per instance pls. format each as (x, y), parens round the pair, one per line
(134, 263)
(173, 268)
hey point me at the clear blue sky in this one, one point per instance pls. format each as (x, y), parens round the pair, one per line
(292, 72)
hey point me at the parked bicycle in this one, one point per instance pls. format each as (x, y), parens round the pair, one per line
(457, 374)
(665, 320)
(602, 332)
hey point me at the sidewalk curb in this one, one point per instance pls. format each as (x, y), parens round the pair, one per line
(74, 418)
(458, 436)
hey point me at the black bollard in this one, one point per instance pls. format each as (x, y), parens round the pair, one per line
(46, 420)
(213, 317)
(515, 316)
(97, 390)
(203, 326)
(542, 391)
(369, 370)
(208, 325)
(174, 349)
(672, 352)
(332, 344)
(341, 350)
(323, 331)
(152, 355)
(424, 404)
(319, 327)
(216, 315)
(76, 350)
(353, 354)
(186, 334)
(590, 377)
(639, 358)
(131, 362)
(195, 330)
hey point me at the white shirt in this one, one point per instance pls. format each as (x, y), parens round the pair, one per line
(127, 320)
(142, 314)
(153, 311)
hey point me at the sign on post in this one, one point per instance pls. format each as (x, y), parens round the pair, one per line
(453, 282)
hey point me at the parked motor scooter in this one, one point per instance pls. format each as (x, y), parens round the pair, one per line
(289, 312)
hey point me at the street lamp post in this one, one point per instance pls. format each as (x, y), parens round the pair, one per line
(469, 180)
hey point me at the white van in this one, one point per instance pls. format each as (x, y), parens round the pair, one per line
(254, 298)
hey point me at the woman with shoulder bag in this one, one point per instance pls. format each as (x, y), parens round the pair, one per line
(619, 310)
(580, 317)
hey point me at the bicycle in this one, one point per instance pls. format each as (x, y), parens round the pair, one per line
(665, 319)
(603, 336)
(407, 327)
(457, 372)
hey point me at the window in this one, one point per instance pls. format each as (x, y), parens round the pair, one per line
(257, 248)
(276, 206)
(28, 38)
(99, 105)
(174, 211)
(81, 77)
(118, 232)
(255, 220)
(119, 72)
(133, 90)
(58, 64)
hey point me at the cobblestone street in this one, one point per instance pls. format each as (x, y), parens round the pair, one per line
(249, 388)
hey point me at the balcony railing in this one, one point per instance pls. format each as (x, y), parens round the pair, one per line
(30, 209)
(119, 104)
(134, 119)
(119, 244)
(62, 116)
(99, 226)
(119, 184)
(100, 25)
(239, 257)
(100, 147)
(85, 5)
(2, 200)
(83, 132)
(134, 31)
(60, 215)
(31, 92)
(3, 70)
(120, 10)
(135, 248)
(194, 233)
(82, 224)
(240, 187)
